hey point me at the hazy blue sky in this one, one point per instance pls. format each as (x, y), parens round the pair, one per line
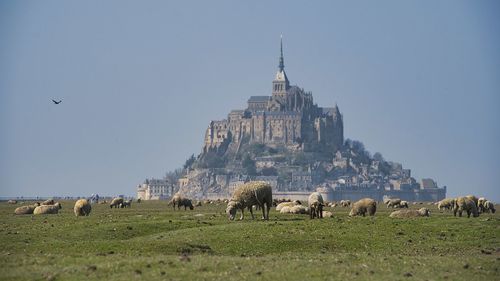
(418, 81)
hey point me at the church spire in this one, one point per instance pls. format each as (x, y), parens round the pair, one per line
(282, 63)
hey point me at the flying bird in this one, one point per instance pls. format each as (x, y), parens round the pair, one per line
(56, 102)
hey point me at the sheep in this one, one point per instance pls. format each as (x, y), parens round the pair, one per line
(12, 202)
(25, 210)
(138, 200)
(82, 207)
(489, 206)
(179, 200)
(116, 202)
(345, 203)
(465, 204)
(473, 198)
(286, 204)
(285, 210)
(316, 204)
(363, 206)
(198, 204)
(127, 203)
(298, 209)
(403, 204)
(327, 214)
(393, 203)
(249, 194)
(447, 203)
(48, 202)
(47, 209)
(422, 212)
(480, 205)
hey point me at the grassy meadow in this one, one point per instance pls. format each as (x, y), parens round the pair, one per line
(150, 241)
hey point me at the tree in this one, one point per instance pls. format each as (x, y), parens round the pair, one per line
(378, 157)
(249, 165)
(189, 162)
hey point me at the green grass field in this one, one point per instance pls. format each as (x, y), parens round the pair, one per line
(150, 241)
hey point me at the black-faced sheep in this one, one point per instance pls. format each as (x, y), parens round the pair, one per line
(116, 202)
(316, 204)
(126, 203)
(403, 204)
(363, 206)
(82, 207)
(489, 206)
(423, 212)
(446, 204)
(180, 200)
(465, 204)
(249, 194)
(47, 209)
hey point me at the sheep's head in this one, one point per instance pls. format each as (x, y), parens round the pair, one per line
(352, 213)
(191, 207)
(231, 209)
(58, 205)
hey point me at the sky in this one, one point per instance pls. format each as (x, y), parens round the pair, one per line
(418, 81)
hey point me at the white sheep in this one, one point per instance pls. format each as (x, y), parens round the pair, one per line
(423, 212)
(363, 206)
(180, 200)
(316, 204)
(446, 204)
(489, 206)
(465, 204)
(47, 209)
(116, 202)
(249, 194)
(286, 204)
(82, 207)
(393, 203)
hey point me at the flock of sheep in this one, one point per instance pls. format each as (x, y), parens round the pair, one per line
(258, 195)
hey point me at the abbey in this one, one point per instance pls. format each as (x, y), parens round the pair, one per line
(288, 117)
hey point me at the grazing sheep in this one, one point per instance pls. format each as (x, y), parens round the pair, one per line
(249, 194)
(489, 206)
(198, 204)
(465, 204)
(139, 200)
(423, 212)
(48, 202)
(403, 204)
(12, 202)
(473, 198)
(393, 203)
(116, 202)
(82, 208)
(446, 204)
(47, 209)
(363, 206)
(127, 203)
(480, 204)
(24, 210)
(316, 204)
(345, 203)
(286, 204)
(179, 200)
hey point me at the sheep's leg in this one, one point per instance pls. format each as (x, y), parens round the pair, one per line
(321, 212)
(268, 206)
(263, 211)
(251, 212)
(242, 214)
